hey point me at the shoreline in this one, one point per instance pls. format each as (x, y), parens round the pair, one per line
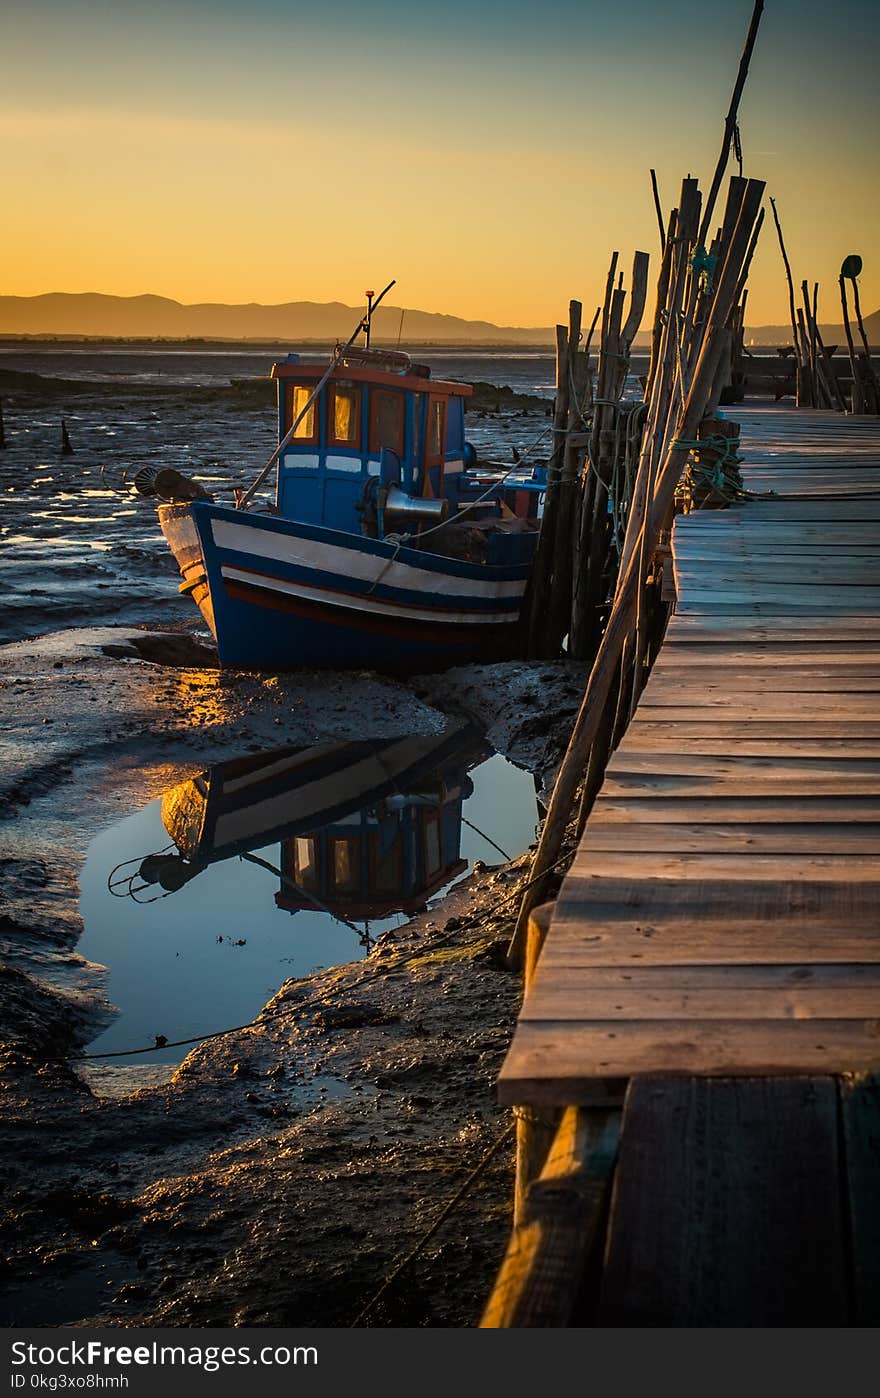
(389, 1078)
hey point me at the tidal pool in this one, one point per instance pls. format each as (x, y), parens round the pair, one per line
(201, 904)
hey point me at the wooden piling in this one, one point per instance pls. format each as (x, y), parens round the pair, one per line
(641, 538)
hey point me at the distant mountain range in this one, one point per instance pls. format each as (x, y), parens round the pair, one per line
(94, 315)
(157, 317)
(831, 334)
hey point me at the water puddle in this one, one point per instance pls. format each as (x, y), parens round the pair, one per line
(274, 865)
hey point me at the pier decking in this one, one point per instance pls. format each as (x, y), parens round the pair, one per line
(721, 919)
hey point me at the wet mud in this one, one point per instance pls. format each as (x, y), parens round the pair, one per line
(283, 1169)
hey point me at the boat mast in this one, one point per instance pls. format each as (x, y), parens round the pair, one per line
(338, 352)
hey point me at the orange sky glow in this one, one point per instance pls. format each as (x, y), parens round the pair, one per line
(488, 161)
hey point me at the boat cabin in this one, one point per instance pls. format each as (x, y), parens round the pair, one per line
(380, 418)
(381, 860)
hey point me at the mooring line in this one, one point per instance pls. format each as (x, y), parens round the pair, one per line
(441, 1218)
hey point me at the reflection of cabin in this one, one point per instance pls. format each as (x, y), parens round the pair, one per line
(380, 416)
(388, 858)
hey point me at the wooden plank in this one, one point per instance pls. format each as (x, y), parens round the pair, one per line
(726, 1206)
(741, 786)
(574, 997)
(752, 840)
(670, 740)
(726, 808)
(756, 975)
(860, 1110)
(738, 769)
(728, 652)
(744, 865)
(668, 684)
(704, 943)
(610, 899)
(559, 1063)
(550, 1254)
(741, 706)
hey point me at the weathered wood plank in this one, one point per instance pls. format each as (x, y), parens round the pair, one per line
(860, 1104)
(700, 943)
(726, 1206)
(747, 745)
(559, 1062)
(666, 687)
(743, 707)
(574, 997)
(765, 808)
(742, 865)
(609, 898)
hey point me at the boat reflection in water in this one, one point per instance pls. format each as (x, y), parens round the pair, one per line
(366, 829)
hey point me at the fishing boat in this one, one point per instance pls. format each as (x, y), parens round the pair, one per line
(386, 545)
(366, 828)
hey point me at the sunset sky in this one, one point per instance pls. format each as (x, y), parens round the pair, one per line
(488, 155)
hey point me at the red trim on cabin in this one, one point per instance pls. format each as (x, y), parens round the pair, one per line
(411, 382)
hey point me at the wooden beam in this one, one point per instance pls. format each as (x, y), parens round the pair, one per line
(540, 1281)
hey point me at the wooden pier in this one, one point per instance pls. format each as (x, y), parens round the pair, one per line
(703, 1008)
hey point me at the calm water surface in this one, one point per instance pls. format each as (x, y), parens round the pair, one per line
(372, 831)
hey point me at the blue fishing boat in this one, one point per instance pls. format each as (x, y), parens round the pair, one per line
(385, 545)
(366, 827)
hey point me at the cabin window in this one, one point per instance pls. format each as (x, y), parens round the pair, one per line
(386, 421)
(307, 431)
(386, 865)
(344, 423)
(345, 865)
(306, 862)
(437, 428)
(432, 846)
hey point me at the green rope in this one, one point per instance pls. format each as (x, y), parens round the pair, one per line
(721, 476)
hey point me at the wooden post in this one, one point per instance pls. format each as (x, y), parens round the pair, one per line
(66, 447)
(873, 386)
(619, 623)
(659, 211)
(534, 1129)
(830, 374)
(560, 1239)
(542, 577)
(795, 339)
(556, 619)
(730, 120)
(857, 400)
(2, 428)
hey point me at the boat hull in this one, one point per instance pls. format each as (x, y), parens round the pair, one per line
(278, 595)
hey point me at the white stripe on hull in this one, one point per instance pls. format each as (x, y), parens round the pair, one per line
(348, 562)
(367, 605)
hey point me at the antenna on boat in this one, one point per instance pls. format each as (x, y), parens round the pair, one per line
(338, 352)
(369, 317)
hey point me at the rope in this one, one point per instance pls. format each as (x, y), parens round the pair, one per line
(717, 476)
(316, 1000)
(429, 1232)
